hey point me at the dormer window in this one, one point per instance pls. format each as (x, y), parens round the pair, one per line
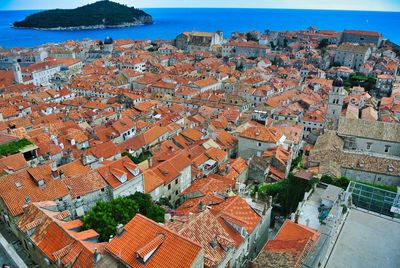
(145, 253)
(136, 171)
(119, 175)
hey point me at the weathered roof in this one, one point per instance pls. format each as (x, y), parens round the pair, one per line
(376, 130)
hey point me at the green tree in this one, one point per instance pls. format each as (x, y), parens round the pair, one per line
(13, 147)
(251, 36)
(147, 207)
(288, 193)
(323, 43)
(99, 13)
(142, 157)
(341, 182)
(163, 201)
(106, 215)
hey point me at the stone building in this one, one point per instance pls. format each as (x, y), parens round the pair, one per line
(362, 150)
(352, 55)
(255, 140)
(362, 37)
(198, 41)
(335, 102)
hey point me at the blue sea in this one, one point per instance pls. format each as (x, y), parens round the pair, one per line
(169, 22)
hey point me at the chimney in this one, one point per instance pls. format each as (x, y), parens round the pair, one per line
(201, 206)
(61, 174)
(296, 217)
(54, 172)
(96, 255)
(120, 229)
(167, 217)
(265, 209)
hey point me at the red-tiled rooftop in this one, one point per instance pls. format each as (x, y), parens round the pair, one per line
(143, 236)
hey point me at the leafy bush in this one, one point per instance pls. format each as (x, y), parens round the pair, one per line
(288, 193)
(341, 182)
(142, 157)
(367, 82)
(13, 147)
(106, 215)
(147, 207)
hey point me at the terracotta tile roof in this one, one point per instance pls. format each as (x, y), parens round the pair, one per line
(143, 235)
(206, 82)
(358, 32)
(192, 134)
(293, 231)
(134, 143)
(124, 165)
(205, 230)
(6, 138)
(236, 209)
(216, 154)
(106, 150)
(192, 205)
(78, 135)
(239, 165)
(226, 139)
(154, 133)
(84, 184)
(290, 246)
(21, 188)
(12, 163)
(166, 171)
(205, 186)
(270, 134)
(74, 168)
(58, 243)
(151, 181)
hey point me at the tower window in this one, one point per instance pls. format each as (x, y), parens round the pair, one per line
(369, 144)
(387, 148)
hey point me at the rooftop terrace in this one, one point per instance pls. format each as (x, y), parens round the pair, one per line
(366, 240)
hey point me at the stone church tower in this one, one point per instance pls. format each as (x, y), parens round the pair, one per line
(17, 73)
(335, 103)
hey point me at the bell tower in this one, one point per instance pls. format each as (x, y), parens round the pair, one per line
(17, 73)
(335, 103)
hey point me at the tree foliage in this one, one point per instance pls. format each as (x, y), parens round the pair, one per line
(142, 157)
(13, 147)
(100, 13)
(163, 201)
(367, 82)
(252, 36)
(323, 43)
(341, 182)
(106, 215)
(147, 207)
(288, 193)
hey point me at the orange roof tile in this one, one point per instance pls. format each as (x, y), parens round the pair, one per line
(151, 181)
(270, 134)
(143, 235)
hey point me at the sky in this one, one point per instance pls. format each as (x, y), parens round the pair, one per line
(373, 5)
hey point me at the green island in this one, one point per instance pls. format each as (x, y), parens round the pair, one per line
(101, 14)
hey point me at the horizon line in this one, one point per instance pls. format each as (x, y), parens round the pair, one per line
(273, 8)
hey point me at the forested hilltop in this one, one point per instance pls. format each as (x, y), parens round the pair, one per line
(96, 15)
